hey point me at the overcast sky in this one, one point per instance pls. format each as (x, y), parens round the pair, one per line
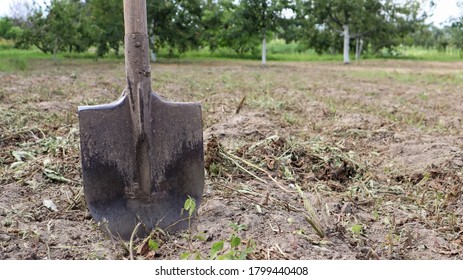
(444, 9)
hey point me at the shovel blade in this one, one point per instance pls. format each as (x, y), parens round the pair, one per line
(111, 165)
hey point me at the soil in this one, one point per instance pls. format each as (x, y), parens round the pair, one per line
(302, 161)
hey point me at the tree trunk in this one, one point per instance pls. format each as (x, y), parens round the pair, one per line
(346, 44)
(360, 48)
(264, 50)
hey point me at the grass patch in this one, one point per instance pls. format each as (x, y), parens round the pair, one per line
(12, 59)
(14, 64)
(277, 50)
(417, 53)
(410, 77)
(272, 55)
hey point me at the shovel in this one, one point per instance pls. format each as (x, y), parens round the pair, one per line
(142, 157)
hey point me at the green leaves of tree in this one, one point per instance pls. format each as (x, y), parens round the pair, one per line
(381, 24)
(182, 25)
(175, 24)
(63, 24)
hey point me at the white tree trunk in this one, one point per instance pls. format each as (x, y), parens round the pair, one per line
(346, 44)
(361, 46)
(264, 50)
(358, 48)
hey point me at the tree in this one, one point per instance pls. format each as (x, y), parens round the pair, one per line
(64, 25)
(108, 24)
(452, 34)
(378, 23)
(6, 24)
(175, 24)
(344, 16)
(216, 15)
(261, 18)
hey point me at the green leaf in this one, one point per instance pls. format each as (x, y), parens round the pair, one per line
(153, 245)
(185, 256)
(218, 246)
(242, 256)
(235, 241)
(190, 205)
(228, 256)
(200, 237)
(357, 229)
(215, 249)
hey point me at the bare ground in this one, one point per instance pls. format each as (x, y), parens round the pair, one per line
(320, 161)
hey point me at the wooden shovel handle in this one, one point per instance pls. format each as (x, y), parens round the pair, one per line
(135, 20)
(137, 62)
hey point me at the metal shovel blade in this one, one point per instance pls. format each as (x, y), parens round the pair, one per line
(113, 163)
(142, 157)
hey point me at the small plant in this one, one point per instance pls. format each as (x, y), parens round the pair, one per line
(357, 229)
(151, 244)
(237, 250)
(332, 107)
(290, 119)
(214, 170)
(190, 206)
(234, 249)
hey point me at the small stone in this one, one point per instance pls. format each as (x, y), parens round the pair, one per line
(5, 238)
(458, 162)
(75, 236)
(50, 205)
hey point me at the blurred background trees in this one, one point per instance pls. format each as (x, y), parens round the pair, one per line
(244, 27)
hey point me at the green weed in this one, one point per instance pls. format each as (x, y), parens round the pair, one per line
(232, 249)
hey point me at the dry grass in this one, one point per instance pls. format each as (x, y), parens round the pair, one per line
(318, 160)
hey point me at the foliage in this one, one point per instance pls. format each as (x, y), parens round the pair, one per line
(6, 25)
(381, 24)
(108, 29)
(251, 21)
(235, 251)
(237, 30)
(454, 35)
(234, 248)
(63, 25)
(175, 24)
(178, 26)
(216, 20)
